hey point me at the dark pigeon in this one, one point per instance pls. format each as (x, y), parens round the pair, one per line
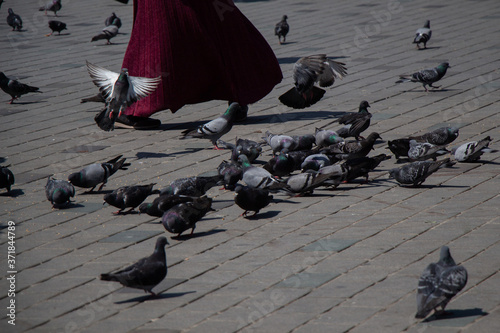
(360, 167)
(59, 192)
(281, 29)
(129, 197)
(14, 20)
(192, 186)
(281, 143)
(420, 151)
(185, 215)
(439, 283)
(246, 147)
(256, 177)
(426, 76)
(423, 35)
(351, 149)
(280, 165)
(56, 26)
(15, 88)
(53, 6)
(106, 33)
(355, 123)
(415, 173)
(251, 199)
(163, 203)
(145, 274)
(472, 151)
(231, 173)
(98, 173)
(325, 138)
(304, 142)
(113, 20)
(440, 137)
(306, 72)
(399, 147)
(6, 178)
(299, 157)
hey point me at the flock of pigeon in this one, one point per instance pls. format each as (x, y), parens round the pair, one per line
(298, 165)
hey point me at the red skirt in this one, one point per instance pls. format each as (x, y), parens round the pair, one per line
(204, 50)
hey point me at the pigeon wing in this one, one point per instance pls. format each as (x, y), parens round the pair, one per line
(104, 79)
(140, 87)
(333, 70)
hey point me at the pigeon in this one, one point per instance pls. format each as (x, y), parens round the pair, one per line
(399, 147)
(129, 197)
(6, 178)
(439, 283)
(15, 88)
(355, 123)
(246, 147)
(145, 274)
(53, 6)
(326, 138)
(351, 149)
(163, 203)
(304, 142)
(360, 167)
(56, 26)
(336, 172)
(98, 173)
(423, 35)
(426, 76)
(256, 177)
(315, 162)
(14, 20)
(415, 173)
(113, 20)
(216, 128)
(280, 165)
(120, 91)
(231, 173)
(304, 183)
(440, 137)
(472, 151)
(299, 156)
(106, 33)
(1, 2)
(420, 151)
(306, 72)
(281, 29)
(185, 215)
(251, 199)
(280, 143)
(192, 186)
(59, 191)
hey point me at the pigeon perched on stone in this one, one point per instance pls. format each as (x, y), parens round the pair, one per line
(426, 76)
(304, 142)
(163, 203)
(315, 162)
(472, 151)
(360, 167)
(306, 72)
(299, 156)
(216, 128)
(415, 173)
(420, 151)
(14, 20)
(53, 6)
(106, 33)
(6, 178)
(113, 20)
(246, 147)
(256, 177)
(145, 274)
(280, 165)
(56, 26)
(304, 183)
(355, 123)
(195, 186)
(58, 191)
(440, 137)
(98, 173)
(325, 138)
(399, 147)
(281, 29)
(281, 143)
(15, 88)
(120, 91)
(439, 283)
(423, 35)
(251, 199)
(351, 149)
(129, 197)
(231, 173)
(336, 172)
(185, 215)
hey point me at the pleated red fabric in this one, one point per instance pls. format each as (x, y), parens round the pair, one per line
(204, 50)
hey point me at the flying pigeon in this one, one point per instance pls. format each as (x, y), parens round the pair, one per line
(280, 143)
(231, 173)
(355, 123)
(56, 26)
(415, 173)
(192, 186)
(281, 29)
(163, 203)
(423, 35)
(6, 178)
(185, 215)
(129, 197)
(472, 151)
(145, 274)
(351, 149)
(420, 151)
(58, 191)
(216, 128)
(120, 91)
(306, 72)
(399, 147)
(14, 20)
(426, 76)
(53, 6)
(326, 138)
(315, 162)
(98, 173)
(256, 177)
(15, 88)
(439, 283)
(360, 167)
(280, 165)
(251, 199)
(106, 33)
(113, 20)
(440, 137)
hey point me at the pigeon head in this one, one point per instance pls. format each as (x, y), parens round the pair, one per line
(60, 196)
(243, 160)
(10, 11)
(3, 77)
(75, 178)
(143, 208)
(393, 172)
(284, 18)
(441, 68)
(363, 106)
(161, 242)
(445, 257)
(453, 131)
(373, 136)
(427, 24)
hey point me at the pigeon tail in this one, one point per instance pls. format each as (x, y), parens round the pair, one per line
(296, 100)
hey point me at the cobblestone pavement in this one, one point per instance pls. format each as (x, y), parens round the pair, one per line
(339, 260)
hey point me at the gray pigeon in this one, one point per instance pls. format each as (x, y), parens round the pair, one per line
(420, 151)
(256, 177)
(351, 149)
(472, 151)
(304, 183)
(120, 90)
(251, 199)
(15, 88)
(163, 203)
(423, 35)
(6, 178)
(231, 173)
(280, 143)
(56, 26)
(415, 173)
(192, 186)
(185, 215)
(426, 76)
(439, 283)
(306, 72)
(304, 142)
(325, 138)
(355, 123)
(129, 197)
(53, 6)
(58, 191)
(14, 20)
(216, 128)
(98, 173)
(281, 29)
(440, 137)
(106, 33)
(113, 20)
(145, 274)
(315, 162)
(246, 147)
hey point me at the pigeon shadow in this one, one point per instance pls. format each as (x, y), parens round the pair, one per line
(288, 60)
(486, 162)
(13, 193)
(454, 314)
(266, 215)
(430, 48)
(99, 192)
(2, 159)
(153, 298)
(68, 206)
(64, 34)
(198, 234)
(25, 103)
(145, 154)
